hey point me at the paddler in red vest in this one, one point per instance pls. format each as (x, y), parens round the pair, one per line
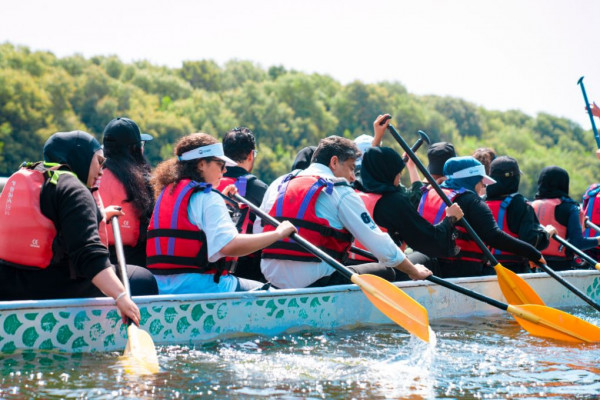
(49, 241)
(465, 183)
(190, 232)
(126, 183)
(239, 144)
(553, 206)
(328, 213)
(392, 209)
(513, 214)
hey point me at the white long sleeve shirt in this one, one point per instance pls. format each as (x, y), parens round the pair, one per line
(343, 209)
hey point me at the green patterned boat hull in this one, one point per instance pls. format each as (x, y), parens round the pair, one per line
(90, 325)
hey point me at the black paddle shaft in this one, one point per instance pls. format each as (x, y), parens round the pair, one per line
(444, 283)
(572, 288)
(575, 250)
(441, 193)
(589, 110)
(305, 244)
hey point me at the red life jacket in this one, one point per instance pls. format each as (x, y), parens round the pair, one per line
(370, 200)
(26, 235)
(113, 193)
(239, 215)
(296, 203)
(591, 208)
(433, 209)
(174, 244)
(499, 211)
(545, 209)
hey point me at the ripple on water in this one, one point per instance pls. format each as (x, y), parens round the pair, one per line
(467, 358)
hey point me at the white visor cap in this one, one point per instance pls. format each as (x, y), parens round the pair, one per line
(213, 150)
(476, 170)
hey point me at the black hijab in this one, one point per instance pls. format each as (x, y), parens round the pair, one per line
(76, 149)
(379, 168)
(303, 158)
(553, 183)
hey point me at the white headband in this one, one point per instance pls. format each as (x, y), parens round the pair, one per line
(213, 150)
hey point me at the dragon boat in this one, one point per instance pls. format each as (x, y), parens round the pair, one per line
(94, 325)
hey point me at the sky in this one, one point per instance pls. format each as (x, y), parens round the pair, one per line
(509, 54)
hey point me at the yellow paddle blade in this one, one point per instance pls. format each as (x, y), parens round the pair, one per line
(551, 323)
(515, 289)
(395, 304)
(597, 266)
(140, 354)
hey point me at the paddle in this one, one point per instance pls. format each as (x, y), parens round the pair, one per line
(389, 299)
(538, 320)
(514, 288)
(589, 110)
(577, 251)
(423, 138)
(140, 353)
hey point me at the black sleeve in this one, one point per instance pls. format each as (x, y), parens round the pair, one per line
(72, 208)
(522, 220)
(256, 191)
(395, 212)
(480, 217)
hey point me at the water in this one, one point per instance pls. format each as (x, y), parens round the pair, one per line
(486, 358)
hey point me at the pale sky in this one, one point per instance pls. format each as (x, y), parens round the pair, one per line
(508, 54)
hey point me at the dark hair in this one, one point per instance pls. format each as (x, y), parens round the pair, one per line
(173, 170)
(238, 143)
(338, 146)
(485, 155)
(131, 168)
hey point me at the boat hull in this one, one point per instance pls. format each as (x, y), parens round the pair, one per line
(91, 325)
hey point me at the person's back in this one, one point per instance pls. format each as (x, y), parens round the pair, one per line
(553, 206)
(239, 144)
(512, 212)
(126, 184)
(75, 262)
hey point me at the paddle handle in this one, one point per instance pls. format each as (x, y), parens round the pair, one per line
(305, 244)
(414, 148)
(122, 270)
(441, 193)
(589, 110)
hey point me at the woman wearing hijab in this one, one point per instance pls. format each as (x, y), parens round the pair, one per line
(126, 183)
(553, 206)
(512, 212)
(391, 207)
(303, 158)
(190, 232)
(466, 182)
(50, 245)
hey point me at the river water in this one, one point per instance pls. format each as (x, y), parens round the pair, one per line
(478, 358)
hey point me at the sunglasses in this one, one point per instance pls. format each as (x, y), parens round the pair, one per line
(221, 162)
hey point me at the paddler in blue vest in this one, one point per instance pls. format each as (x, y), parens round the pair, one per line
(466, 182)
(191, 232)
(328, 213)
(50, 244)
(239, 144)
(513, 213)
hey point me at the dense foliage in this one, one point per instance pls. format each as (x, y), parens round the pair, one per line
(41, 94)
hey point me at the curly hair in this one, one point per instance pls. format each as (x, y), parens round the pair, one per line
(238, 143)
(485, 155)
(173, 170)
(338, 146)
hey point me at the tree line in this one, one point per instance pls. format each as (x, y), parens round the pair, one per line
(41, 94)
